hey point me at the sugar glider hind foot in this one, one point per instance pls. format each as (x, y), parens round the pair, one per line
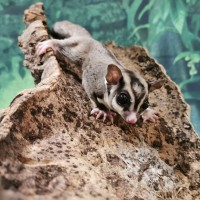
(42, 47)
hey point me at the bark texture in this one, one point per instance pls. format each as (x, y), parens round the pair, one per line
(51, 148)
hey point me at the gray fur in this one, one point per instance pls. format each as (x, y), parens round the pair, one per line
(94, 57)
(79, 47)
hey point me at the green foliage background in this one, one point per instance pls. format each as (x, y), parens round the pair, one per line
(169, 29)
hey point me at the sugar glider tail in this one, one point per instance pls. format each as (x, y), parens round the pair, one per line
(66, 29)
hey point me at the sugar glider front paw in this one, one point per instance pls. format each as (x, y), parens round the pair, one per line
(42, 47)
(149, 115)
(103, 114)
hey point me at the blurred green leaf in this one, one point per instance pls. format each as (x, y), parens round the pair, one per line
(193, 71)
(178, 14)
(164, 9)
(58, 13)
(195, 23)
(146, 8)
(22, 71)
(15, 61)
(193, 56)
(4, 3)
(131, 11)
(188, 37)
(5, 43)
(144, 26)
(3, 68)
(193, 79)
(192, 95)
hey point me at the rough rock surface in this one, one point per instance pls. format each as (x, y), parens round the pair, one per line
(51, 148)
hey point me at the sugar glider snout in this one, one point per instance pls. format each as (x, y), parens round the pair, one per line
(130, 117)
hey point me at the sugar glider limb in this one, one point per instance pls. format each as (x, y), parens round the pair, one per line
(111, 87)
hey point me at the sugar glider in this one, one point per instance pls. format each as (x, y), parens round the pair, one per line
(111, 87)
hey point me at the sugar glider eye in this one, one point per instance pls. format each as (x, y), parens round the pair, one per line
(123, 99)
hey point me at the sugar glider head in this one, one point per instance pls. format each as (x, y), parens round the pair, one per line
(127, 93)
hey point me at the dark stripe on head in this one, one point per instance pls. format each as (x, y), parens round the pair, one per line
(97, 95)
(108, 89)
(134, 81)
(132, 76)
(138, 100)
(144, 105)
(126, 108)
(121, 85)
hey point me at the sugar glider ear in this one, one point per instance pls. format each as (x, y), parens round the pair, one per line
(155, 85)
(113, 75)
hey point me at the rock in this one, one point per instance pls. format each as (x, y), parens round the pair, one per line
(51, 148)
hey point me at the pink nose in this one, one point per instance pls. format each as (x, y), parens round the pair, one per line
(131, 121)
(131, 118)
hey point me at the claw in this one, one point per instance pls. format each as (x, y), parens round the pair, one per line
(149, 115)
(104, 117)
(94, 111)
(42, 47)
(102, 114)
(99, 114)
(111, 118)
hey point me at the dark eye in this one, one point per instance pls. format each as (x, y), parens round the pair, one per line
(145, 105)
(123, 99)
